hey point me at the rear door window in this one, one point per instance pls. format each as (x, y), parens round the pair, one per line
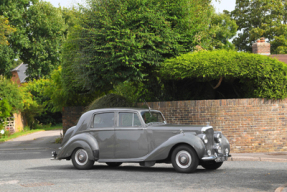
(103, 120)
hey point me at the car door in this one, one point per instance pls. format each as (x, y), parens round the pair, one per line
(102, 129)
(130, 136)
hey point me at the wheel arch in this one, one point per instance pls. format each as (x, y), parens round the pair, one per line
(85, 141)
(179, 144)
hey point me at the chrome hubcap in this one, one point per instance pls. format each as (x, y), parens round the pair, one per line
(81, 157)
(183, 159)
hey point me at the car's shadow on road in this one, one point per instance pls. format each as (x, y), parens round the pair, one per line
(123, 168)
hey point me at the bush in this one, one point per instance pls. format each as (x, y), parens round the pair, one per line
(5, 111)
(36, 110)
(247, 75)
(61, 97)
(108, 101)
(4, 133)
(10, 92)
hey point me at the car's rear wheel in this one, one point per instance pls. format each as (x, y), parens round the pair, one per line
(184, 159)
(80, 159)
(114, 164)
(211, 165)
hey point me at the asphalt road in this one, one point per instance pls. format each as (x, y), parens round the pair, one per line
(25, 165)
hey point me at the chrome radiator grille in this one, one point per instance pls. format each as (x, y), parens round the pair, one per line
(209, 134)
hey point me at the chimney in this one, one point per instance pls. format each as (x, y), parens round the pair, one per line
(261, 47)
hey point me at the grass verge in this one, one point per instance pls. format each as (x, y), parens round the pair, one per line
(27, 131)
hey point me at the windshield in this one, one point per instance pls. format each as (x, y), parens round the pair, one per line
(152, 117)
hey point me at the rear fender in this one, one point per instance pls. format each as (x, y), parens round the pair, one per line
(83, 140)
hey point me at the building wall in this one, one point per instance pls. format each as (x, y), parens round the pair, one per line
(19, 122)
(251, 125)
(15, 78)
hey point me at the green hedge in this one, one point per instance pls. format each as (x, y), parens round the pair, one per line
(260, 76)
(10, 92)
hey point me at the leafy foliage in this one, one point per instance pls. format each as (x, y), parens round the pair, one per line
(45, 33)
(108, 101)
(60, 97)
(7, 61)
(221, 29)
(126, 40)
(5, 30)
(15, 12)
(5, 111)
(10, 92)
(40, 30)
(133, 92)
(36, 108)
(261, 18)
(244, 75)
(6, 52)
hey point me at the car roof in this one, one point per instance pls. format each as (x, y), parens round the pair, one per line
(121, 109)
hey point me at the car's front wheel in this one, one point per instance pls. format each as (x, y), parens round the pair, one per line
(211, 165)
(80, 159)
(184, 159)
(114, 164)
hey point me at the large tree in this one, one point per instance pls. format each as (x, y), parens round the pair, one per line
(45, 33)
(40, 28)
(261, 18)
(5, 30)
(121, 40)
(15, 12)
(221, 29)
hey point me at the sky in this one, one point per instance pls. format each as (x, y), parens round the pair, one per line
(219, 7)
(64, 3)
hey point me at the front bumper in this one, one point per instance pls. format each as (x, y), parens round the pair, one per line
(217, 158)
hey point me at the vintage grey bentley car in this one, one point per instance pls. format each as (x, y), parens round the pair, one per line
(128, 135)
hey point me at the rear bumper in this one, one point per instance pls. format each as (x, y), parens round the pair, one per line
(54, 156)
(218, 158)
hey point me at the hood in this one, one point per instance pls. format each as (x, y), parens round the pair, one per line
(188, 128)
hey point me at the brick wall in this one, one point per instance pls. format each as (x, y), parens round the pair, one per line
(261, 47)
(70, 116)
(251, 125)
(15, 77)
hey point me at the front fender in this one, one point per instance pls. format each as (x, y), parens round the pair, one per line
(82, 140)
(162, 151)
(225, 143)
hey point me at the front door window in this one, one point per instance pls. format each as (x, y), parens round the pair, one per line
(129, 120)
